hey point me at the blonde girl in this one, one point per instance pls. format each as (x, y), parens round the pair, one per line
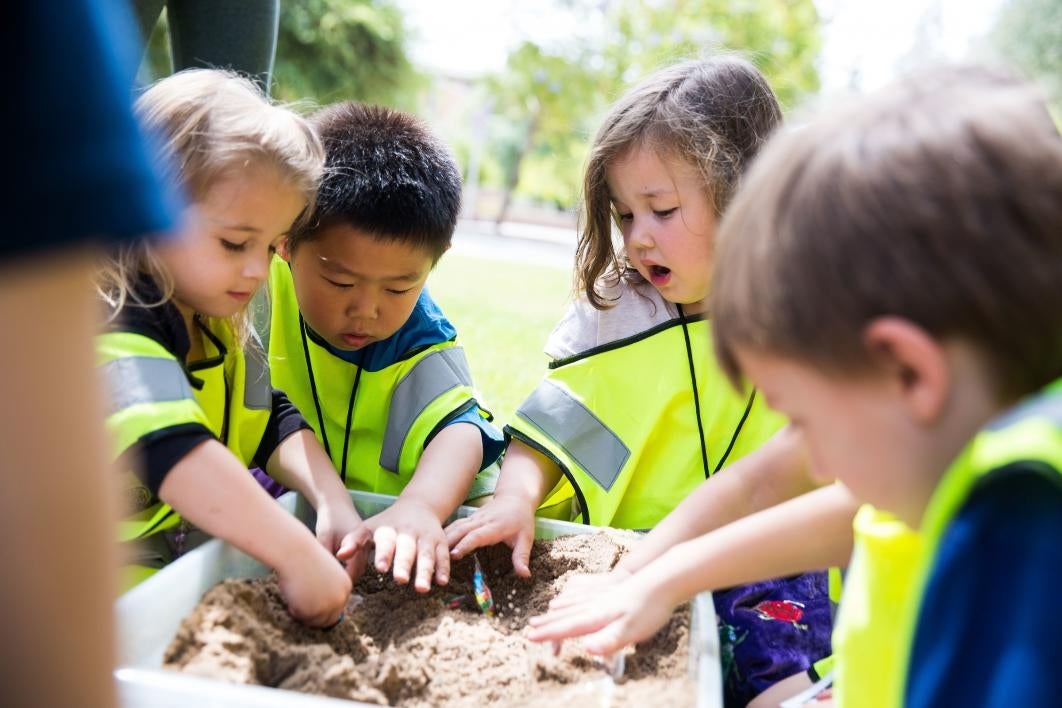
(191, 403)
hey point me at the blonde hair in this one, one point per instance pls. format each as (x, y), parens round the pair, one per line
(210, 123)
(713, 114)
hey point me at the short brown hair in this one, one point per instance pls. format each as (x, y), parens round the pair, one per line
(938, 201)
(713, 114)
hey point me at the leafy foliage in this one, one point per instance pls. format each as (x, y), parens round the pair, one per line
(332, 50)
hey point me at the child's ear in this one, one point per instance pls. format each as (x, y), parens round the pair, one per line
(283, 251)
(915, 363)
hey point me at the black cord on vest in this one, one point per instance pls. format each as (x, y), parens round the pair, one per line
(313, 386)
(696, 396)
(350, 416)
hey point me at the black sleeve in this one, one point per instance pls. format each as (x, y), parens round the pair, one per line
(284, 421)
(160, 451)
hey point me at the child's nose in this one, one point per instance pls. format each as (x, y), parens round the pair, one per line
(256, 267)
(362, 307)
(641, 234)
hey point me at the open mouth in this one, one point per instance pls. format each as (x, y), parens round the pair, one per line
(659, 275)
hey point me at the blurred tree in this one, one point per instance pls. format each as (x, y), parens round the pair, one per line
(1029, 34)
(557, 96)
(540, 93)
(332, 50)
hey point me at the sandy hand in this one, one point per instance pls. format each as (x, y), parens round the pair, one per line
(508, 520)
(584, 586)
(406, 533)
(343, 534)
(315, 587)
(627, 613)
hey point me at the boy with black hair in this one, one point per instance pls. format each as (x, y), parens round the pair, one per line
(358, 344)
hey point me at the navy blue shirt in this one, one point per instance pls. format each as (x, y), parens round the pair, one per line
(77, 157)
(427, 325)
(990, 629)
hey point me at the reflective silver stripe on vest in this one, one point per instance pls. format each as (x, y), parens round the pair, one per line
(1047, 405)
(142, 379)
(257, 389)
(432, 376)
(574, 427)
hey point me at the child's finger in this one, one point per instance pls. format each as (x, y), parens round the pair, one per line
(384, 540)
(476, 538)
(572, 625)
(405, 554)
(442, 564)
(425, 566)
(608, 640)
(522, 555)
(459, 529)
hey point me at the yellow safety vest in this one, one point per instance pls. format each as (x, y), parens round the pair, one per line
(635, 425)
(374, 424)
(1029, 432)
(867, 644)
(151, 391)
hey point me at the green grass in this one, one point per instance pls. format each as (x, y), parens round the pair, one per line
(503, 312)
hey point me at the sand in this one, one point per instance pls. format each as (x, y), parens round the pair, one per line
(396, 647)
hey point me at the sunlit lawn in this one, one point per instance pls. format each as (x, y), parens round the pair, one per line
(503, 312)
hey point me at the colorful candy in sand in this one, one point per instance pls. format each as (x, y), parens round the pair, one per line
(479, 587)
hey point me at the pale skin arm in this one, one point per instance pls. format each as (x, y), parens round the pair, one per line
(767, 544)
(509, 517)
(211, 488)
(300, 463)
(410, 531)
(774, 473)
(56, 490)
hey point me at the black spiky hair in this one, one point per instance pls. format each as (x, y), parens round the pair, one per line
(385, 174)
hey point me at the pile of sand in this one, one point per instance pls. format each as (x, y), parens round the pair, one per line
(396, 647)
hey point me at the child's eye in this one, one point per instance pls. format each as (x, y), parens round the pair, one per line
(339, 285)
(625, 217)
(664, 213)
(230, 246)
(400, 292)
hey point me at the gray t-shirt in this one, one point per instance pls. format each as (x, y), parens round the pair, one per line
(636, 308)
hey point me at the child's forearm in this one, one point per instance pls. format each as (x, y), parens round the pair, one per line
(773, 474)
(211, 489)
(526, 475)
(446, 470)
(811, 532)
(301, 463)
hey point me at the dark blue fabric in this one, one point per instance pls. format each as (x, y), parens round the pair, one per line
(769, 631)
(77, 159)
(989, 633)
(427, 325)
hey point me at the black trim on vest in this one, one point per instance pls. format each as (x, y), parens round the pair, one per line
(470, 404)
(511, 434)
(696, 394)
(737, 431)
(313, 386)
(304, 329)
(210, 363)
(619, 343)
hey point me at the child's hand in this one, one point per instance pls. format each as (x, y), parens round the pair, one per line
(315, 587)
(503, 519)
(630, 612)
(585, 585)
(406, 532)
(343, 534)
